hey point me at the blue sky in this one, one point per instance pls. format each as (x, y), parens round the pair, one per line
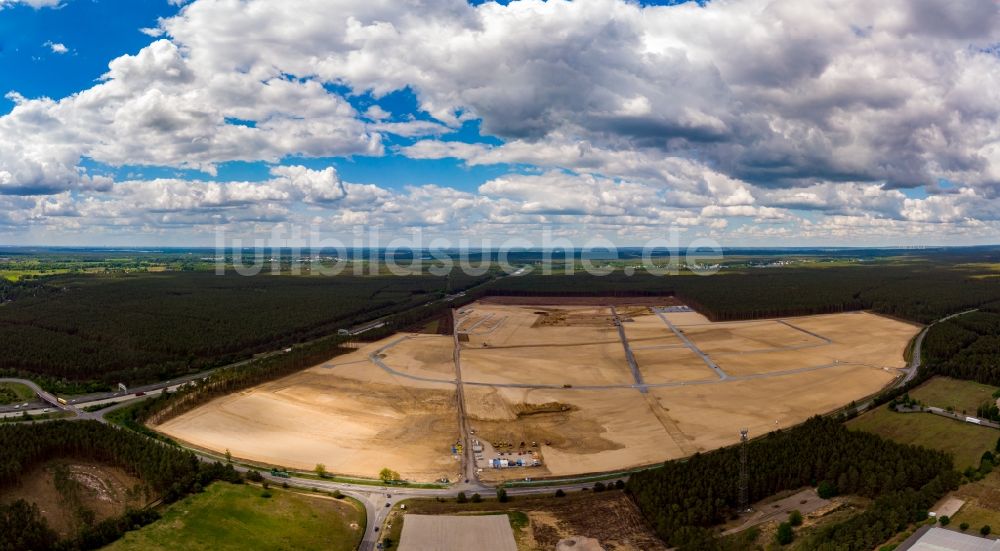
(97, 31)
(764, 122)
(94, 31)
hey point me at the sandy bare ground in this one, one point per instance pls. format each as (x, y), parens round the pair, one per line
(347, 414)
(482, 532)
(602, 431)
(670, 365)
(646, 330)
(712, 415)
(857, 338)
(355, 417)
(581, 301)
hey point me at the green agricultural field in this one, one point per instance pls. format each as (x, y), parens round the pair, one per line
(964, 441)
(982, 504)
(976, 516)
(231, 517)
(12, 393)
(961, 396)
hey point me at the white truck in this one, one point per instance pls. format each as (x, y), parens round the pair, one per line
(972, 420)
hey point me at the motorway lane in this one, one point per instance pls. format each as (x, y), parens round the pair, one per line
(914, 366)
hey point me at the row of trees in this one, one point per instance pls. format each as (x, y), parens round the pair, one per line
(169, 472)
(681, 500)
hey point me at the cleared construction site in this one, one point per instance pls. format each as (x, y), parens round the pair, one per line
(552, 389)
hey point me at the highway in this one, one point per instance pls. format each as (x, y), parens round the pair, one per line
(915, 355)
(950, 414)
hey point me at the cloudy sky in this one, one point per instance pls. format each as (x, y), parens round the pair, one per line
(755, 122)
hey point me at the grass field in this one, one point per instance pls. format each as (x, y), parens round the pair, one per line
(13, 393)
(982, 504)
(964, 441)
(17, 275)
(962, 396)
(976, 516)
(236, 517)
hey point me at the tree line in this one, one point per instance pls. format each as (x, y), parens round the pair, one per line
(682, 500)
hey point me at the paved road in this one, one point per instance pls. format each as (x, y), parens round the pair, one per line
(951, 415)
(45, 397)
(629, 357)
(468, 459)
(680, 334)
(915, 355)
(806, 331)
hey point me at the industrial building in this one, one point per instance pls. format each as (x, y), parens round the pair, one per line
(932, 538)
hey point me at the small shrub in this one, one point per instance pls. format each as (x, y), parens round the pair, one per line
(944, 520)
(795, 518)
(461, 498)
(964, 526)
(784, 535)
(560, 493)
(985, 530)
(476, 498)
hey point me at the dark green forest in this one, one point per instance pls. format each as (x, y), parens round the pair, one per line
(682, 499)
(168, 471)
(966, 347)
(146, 327)
(920, 290)
(137, 328)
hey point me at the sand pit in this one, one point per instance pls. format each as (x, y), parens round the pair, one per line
(672, 365)
(601, 430)
(713, 414)
(555, 375)
(348, 414)
(739, 338)
(795, 343)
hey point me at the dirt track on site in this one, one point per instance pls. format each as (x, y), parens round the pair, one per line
(356, 416)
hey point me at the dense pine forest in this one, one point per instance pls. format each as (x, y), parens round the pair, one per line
(682, 499)
(169, 472)
(966, 347)
(144, 327)
(919, 290)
